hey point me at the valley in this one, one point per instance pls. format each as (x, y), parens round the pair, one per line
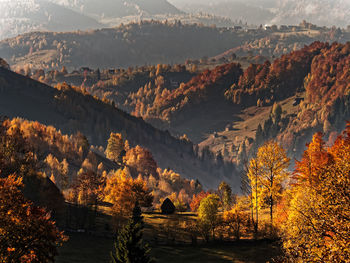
(174, 131)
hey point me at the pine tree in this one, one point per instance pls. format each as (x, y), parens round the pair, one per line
(129, 247)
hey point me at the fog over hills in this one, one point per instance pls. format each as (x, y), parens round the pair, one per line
(17, 17)
(321, 12)
(118, 8)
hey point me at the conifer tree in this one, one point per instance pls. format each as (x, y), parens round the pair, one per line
(129, 246)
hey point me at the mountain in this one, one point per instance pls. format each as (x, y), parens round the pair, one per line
(290, 98)
(132, 44)
(72, 111)
(280, 12)
(154, 42)
(18, 17)
(303, 92)
(119, 8)
(235, 11)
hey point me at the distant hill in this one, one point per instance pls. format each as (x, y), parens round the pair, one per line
(72, 111)
(312, 87)
(280, 12)
(221, 108)
(127, 45)
(18, 17)
(152, 42)
(119, 8)
(238, 10)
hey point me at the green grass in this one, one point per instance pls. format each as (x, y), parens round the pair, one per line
(82, 247)
(89, 249)
(239, 252)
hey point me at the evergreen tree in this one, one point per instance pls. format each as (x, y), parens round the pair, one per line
(129, 246)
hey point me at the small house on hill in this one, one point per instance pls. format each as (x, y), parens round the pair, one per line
(168, 208)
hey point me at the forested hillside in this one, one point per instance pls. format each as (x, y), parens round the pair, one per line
(164, 140)
(301, 93)
(286, 39)
(223, 107)
(126, 45)
(72, 111)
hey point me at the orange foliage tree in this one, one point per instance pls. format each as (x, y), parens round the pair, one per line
(26, 232)
(318, 224)
(123, 191)
(269, 82)
(140, 161)
(196, 200)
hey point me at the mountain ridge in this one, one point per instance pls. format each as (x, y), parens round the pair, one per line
(72, 111)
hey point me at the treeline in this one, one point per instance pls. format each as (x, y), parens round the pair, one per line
(206, 86)
(147, 42)
(75, 167)
(308, 210)
(134, 88)
(123, 86)
(262, 84)
(318, 78)
(326, 105)
(286, 40)
(73, 109)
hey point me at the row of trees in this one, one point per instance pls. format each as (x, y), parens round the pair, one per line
(308, 209)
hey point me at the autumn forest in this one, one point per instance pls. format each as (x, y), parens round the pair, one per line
(173, 141)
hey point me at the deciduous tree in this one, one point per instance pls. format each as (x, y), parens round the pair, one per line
(208, 212)
(318, 223)
(123, 191)
(26, 232)
(115, 148)
(273, 162)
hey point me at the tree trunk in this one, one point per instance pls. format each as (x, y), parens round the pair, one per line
(271, 211)
(256, 206)
(271, 199)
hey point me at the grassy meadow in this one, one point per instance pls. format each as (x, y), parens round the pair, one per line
(172, 245)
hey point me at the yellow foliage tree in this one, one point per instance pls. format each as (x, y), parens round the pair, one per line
(208, 212)
(235, 219)
(253, 174)
(123, 191)
(271, 163)
(318, 224)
